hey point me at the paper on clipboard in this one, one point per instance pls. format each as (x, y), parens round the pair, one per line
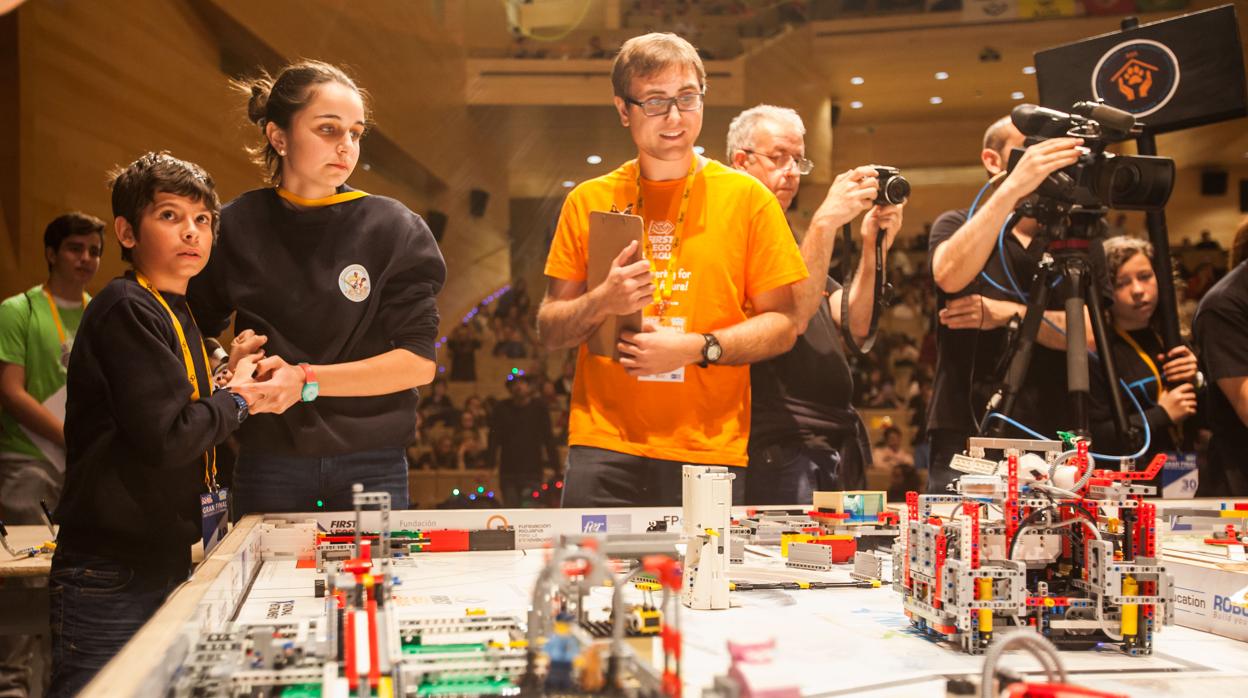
(54, 453)
(609, 234)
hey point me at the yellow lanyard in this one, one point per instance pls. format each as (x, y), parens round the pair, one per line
(56, 315)
(663, 289)
(210, 456)
(1148, 361)
(324, 201)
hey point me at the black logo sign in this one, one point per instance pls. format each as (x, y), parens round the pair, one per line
(1138, 76)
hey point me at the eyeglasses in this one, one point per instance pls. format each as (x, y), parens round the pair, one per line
(660, 106)
(784, 161)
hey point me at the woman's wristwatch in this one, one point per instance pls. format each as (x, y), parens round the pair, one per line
(311, 388)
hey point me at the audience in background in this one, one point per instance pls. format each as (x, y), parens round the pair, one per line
(890, 452)
(463, 346)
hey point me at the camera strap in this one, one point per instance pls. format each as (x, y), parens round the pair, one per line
(880, 293)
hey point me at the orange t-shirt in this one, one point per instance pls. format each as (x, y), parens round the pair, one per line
(734, 246)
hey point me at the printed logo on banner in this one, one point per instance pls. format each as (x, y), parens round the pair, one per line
(989, 9)
(1226, 608)
(671, 522)
(1191, 601)
(1139, 76)
(605, 523)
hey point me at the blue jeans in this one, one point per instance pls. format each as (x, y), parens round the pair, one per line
(272, 484)
(96, 604)
(791, 474)
(597, 477)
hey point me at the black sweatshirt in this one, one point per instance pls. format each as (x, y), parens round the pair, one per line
(287, 274)
(136, 441)
(1135, 373)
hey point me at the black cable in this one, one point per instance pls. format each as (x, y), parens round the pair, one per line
(1032, 518)
(1035, 515)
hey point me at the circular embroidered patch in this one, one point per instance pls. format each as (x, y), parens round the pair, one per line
(354, 283)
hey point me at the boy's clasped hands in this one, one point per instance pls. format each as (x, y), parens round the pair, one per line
(268, 384)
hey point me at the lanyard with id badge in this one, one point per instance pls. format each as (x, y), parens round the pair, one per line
(666, 284)
(66, 343)
(213, 503)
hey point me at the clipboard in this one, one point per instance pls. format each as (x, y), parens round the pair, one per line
(609, 233)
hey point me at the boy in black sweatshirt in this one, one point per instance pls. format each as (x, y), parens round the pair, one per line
(142, 424)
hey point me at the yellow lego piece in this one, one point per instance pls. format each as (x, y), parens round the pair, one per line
(786, 538)
(1130, 611)
(474, 611)
(803, 585)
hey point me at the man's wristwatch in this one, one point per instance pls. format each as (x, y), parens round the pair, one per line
(243, 409)
(311, 388)
(711, 351)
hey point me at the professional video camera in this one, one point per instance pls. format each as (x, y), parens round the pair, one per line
(1099, 180)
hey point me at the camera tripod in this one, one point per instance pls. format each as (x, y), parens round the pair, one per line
(1066, 234)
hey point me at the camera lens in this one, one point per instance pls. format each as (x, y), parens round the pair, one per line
(896, 190)
(1133, 182)
(1125, 179)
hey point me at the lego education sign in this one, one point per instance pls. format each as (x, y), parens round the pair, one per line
(1210, 597)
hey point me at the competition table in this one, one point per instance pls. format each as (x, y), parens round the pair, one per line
(837, 641)
(23, 588)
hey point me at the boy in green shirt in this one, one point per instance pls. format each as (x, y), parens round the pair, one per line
(37, 329)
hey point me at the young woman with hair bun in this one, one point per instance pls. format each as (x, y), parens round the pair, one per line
(338, 286)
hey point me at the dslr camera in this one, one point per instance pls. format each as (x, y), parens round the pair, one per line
(894, 189)
(1099, 180)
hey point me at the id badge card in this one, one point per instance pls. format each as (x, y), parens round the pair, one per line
(666, 324)
(213, 506)
(1180, 477)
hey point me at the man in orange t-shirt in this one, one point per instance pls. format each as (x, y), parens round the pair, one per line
(716, 243)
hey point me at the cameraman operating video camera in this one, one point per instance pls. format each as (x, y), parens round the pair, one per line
(974, 313)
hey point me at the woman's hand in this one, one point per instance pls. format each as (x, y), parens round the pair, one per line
(1179, 366)
(278, 386)
(1179, 403)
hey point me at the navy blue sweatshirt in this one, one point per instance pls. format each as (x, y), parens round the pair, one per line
(326, 285)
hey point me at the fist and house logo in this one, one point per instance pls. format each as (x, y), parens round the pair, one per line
(605, 523)
(1138, 76)
(354, 283)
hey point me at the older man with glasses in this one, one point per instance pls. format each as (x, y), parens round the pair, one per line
(805, 435)
(715, 244)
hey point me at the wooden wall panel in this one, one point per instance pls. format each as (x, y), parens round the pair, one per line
(416, 73)
(101, 83)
